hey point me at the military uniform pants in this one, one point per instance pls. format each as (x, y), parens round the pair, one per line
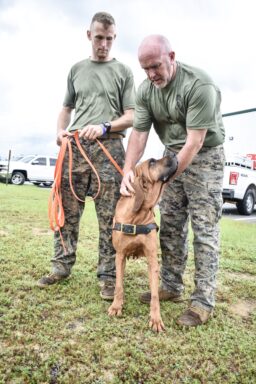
(83, 177)
(195, 194)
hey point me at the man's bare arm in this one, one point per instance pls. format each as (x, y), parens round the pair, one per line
(63, 122)
(92, 131)
(194, 142)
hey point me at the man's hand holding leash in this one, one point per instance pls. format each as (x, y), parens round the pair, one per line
(91, 132)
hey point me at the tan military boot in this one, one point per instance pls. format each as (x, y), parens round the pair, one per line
(107, 290)
(164, 295)
(51, 279)
(194, 316)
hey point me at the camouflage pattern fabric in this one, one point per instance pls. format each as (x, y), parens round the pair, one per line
(196, 195)
(83, 177)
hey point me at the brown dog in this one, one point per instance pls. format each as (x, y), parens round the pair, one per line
(135, 231)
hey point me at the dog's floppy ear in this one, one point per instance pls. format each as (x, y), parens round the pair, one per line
(139, 194)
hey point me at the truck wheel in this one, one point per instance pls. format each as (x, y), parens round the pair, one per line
(246, 206)
(48, 183)
(17, 178)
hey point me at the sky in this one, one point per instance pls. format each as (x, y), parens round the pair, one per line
(41, 39)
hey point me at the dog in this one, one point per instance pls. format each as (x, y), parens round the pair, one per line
(135, 230)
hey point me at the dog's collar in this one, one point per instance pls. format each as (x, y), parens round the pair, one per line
(133, 229)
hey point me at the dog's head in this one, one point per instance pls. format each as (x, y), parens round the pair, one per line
(149, 179)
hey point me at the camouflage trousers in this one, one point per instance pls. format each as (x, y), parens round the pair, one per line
(84, 178)
(196, 195)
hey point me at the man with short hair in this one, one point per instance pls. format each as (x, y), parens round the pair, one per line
(101, 91)
(183, 104)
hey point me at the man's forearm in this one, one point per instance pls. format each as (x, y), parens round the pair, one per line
(123, 122)
(192, 146)
(63, 120)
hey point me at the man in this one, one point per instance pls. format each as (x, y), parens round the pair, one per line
(183, 104)
(101, 90)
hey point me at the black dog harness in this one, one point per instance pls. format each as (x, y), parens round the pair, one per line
(133, 229)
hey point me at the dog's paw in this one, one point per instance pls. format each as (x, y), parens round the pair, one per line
(156, 324)
(115, 310)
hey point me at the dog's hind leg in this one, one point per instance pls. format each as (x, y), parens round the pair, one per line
(116, 307)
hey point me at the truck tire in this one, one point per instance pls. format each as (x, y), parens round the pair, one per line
(17, 178)
(246, 206)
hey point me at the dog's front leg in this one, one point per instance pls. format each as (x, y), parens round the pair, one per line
(155, 322)
(116, 307)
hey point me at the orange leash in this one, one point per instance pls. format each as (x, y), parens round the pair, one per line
(104, 149)
(55, 208)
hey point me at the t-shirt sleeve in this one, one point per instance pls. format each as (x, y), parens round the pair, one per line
(142, 117)
(70, 96)
(129, 92)
(203, 104)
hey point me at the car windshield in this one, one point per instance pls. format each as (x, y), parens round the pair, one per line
(17, 158)
(27, 159)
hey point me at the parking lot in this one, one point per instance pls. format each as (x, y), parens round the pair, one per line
(230, 211)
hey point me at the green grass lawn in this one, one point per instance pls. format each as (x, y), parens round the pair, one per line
(64, 335)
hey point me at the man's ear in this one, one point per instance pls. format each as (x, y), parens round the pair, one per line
(89, 35)
(139, 195)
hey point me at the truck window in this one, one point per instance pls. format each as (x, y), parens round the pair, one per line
(53, 161)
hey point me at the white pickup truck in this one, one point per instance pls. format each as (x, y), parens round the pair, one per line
(36, 169)
(239, 185)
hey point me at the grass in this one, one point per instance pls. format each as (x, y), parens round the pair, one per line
(63, 334)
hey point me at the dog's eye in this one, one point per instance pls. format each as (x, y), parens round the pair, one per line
(152, 162)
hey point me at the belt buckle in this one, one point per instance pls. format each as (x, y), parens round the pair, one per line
(133, 226)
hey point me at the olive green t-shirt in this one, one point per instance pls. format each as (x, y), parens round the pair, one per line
(191, 100)
(99, 92)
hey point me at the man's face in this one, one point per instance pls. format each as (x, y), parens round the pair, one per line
(102, 39)
(158, 67)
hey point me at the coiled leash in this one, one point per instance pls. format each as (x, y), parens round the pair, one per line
(56, 213)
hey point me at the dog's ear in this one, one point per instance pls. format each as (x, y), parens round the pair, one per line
(139, 194)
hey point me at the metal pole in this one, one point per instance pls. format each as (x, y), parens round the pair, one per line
(239, 112)
(8, 166)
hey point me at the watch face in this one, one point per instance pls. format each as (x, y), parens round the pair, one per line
(107, 125)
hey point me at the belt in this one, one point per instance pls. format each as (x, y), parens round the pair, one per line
(111, 136)
(133, 229)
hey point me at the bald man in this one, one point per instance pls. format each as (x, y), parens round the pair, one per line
(183, 105)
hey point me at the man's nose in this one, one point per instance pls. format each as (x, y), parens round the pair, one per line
(103, 42)
(151, 73)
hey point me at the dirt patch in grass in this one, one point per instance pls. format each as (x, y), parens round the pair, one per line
(243, 308)
(3, 233)
(240, 275)
(41, 231)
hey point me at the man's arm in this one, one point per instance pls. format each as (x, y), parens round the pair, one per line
(62, 124)
(135, 149)
(91, 131)
(194, 142)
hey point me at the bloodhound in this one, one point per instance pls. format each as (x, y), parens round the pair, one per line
(135, 230)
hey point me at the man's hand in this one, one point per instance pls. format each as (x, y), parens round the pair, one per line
(60, 136)
(126, 188)
(91, 132)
